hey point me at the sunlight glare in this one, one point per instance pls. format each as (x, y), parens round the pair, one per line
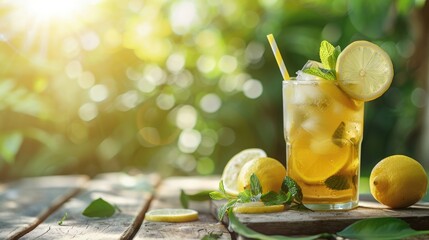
(45, 10)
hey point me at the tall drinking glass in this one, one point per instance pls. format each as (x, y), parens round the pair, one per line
(323, 130)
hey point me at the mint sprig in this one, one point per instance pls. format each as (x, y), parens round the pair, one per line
(338, 182)
(328, 56)
(290, 193)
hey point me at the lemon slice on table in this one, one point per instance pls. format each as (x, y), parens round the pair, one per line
(364, 70)
(234, 165)
(257, 207)
(171, 215)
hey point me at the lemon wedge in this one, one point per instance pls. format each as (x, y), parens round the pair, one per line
(364, 70)
(234, 165)
(171, 215)
(257, 207)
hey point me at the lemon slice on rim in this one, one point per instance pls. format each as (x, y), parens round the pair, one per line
(364, 70)
(233, 167)
(171, 215)
(257, 207)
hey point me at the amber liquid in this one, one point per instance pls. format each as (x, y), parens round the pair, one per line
(323, 133)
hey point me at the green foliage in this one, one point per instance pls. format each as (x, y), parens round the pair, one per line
(173, 86)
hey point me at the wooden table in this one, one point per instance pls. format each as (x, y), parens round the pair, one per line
(31, 209)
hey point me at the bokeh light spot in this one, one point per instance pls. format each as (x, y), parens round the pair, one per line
(99, 93)
(165, 101)
(88, 111)
(183, 15)
(175, 62)
(189, 140)
(73, 69)
(210, 103)
(228, 64)
(252, 88)
(186, 117)
(108, 148)
(419, 97)
(86, 80)
(206, 64)
(127, 101)
(90, 40)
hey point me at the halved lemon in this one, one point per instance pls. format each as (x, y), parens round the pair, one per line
(233, 167)
(257, 207)
(364, 70)
(171, 215)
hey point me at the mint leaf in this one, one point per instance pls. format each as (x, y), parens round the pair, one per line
(326, 53)
(339, 134)
(63, 219)
(321, 72)
(212, 236)
(222, 210)
(255, 185)
(184, 199)
(289, 185)
(380, 228)
(273, 198)
(245, 196)
(99, 208)
(338, 182)
(215, 195)
(221, 187)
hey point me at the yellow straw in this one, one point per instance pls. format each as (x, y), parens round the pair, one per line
(278, 57)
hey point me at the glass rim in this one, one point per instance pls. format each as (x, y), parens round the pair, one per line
(293, 80)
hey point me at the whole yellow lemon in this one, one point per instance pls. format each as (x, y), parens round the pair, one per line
(269, 171)
(398, 181)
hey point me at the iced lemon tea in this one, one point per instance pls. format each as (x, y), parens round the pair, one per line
(323, 130)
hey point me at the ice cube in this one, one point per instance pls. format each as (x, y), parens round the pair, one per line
(307, 94)
(311, 64)
(302, 76)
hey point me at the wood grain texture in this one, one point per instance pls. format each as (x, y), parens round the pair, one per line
(131, 194)
(26, 203)
(291, 222)
(168, 197)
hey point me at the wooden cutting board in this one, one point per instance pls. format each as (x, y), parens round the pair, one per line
(292, 222)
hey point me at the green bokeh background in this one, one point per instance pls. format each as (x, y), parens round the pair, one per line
(179, 87)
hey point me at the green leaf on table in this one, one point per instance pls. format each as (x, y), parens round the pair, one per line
(212, 236)
(200, 196)
(99, 208)
(243, 230)
(63, 219)
(386, 228)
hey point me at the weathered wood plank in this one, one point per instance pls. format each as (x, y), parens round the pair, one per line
(26, 203)
(168, 197)
(131, 194)
(291, 222)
